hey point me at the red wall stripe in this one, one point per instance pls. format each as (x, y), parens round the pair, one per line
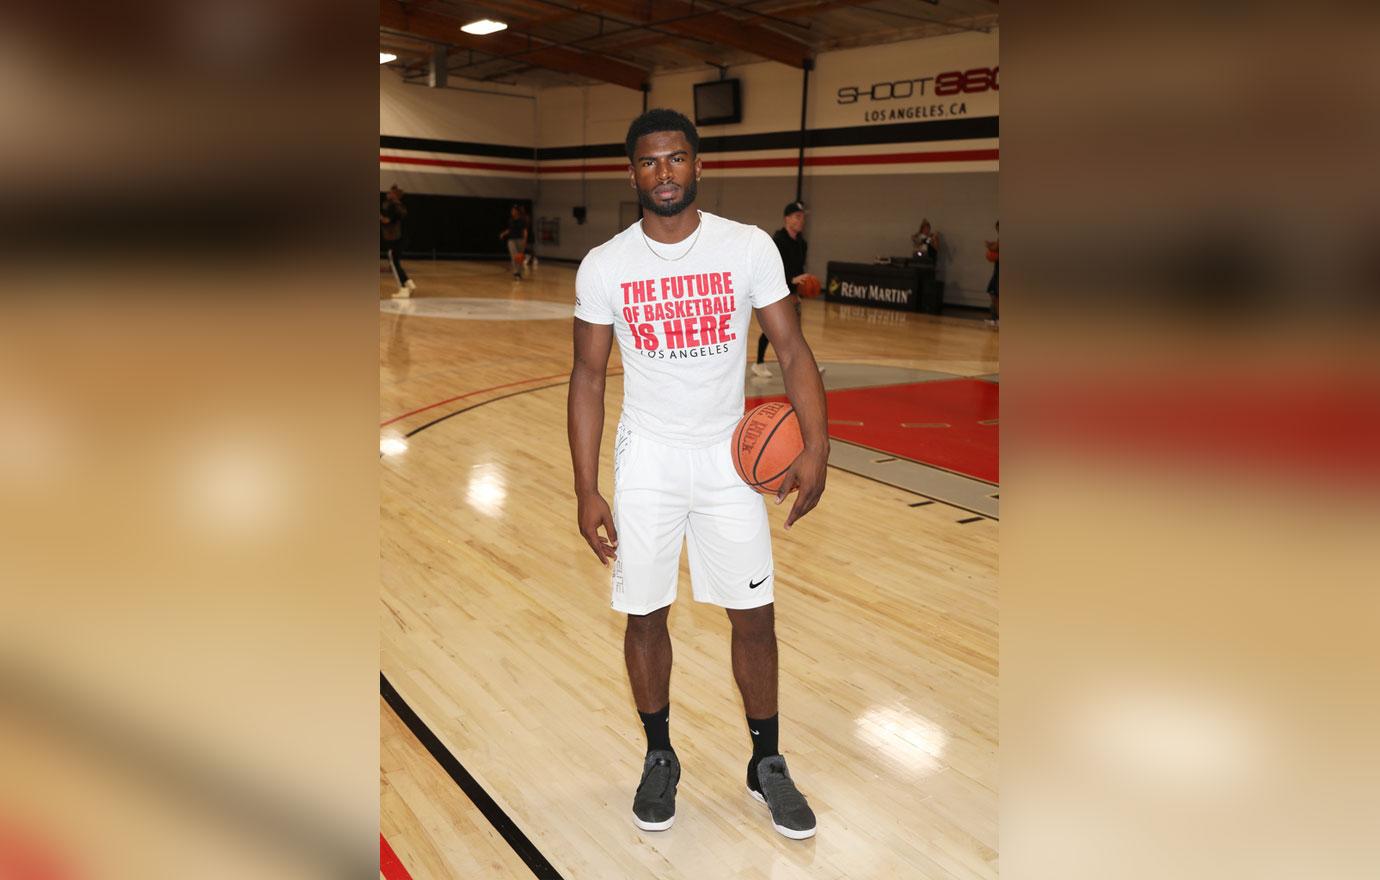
(453, 163)
(988, 155)
(861, 159)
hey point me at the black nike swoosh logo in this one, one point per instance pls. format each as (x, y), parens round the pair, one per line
(752, 586)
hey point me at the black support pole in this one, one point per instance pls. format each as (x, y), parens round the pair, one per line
(800, 157)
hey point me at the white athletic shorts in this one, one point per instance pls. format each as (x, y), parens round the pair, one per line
(663, 495)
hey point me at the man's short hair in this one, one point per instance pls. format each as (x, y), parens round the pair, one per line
(661, 119)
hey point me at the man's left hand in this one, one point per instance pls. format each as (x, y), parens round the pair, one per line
(806, 476)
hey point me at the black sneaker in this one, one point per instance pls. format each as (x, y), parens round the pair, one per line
(790, 814)
(654, 805)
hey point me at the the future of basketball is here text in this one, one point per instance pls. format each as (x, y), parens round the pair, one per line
(679, 316)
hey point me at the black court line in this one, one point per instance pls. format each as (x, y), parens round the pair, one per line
(502, 823)
(921, 503)
(465, 409)
(971, 519)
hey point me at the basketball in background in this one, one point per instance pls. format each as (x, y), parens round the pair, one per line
(765, 443)
(808, 286)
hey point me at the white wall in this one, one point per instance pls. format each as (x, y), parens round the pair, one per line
(580, 115)
(450, 114)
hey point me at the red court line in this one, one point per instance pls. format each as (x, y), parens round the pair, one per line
(469, 394)
(390, 865)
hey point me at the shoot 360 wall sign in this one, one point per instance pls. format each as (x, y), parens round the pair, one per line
(894, 100)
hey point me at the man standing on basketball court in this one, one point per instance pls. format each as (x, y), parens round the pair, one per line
(516, 235)
(677, 290)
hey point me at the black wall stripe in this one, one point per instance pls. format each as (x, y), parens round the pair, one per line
(593, 151)
(505, 826)
(850, 136)
(466, 148)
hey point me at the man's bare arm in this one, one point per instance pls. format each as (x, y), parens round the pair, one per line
(806, 392)
(585, 425)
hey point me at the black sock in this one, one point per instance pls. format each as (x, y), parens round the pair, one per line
(764, 744)
(761, 347)
(658, 727)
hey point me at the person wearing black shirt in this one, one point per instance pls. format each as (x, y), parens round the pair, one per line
(529, 254)
(791, 244)
(516, 234)
(392, 212)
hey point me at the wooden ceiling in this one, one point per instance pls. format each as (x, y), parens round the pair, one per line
(578, 42)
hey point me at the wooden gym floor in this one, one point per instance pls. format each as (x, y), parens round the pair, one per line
(510, 745)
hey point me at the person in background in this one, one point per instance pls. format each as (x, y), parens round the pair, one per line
(926, 242)
(791, 245)
(516, 235)
(994, 257)
(529, 254)
(392, 212)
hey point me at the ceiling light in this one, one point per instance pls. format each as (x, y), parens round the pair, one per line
(484, 26)
(385, 57)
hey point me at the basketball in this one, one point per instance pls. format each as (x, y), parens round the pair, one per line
(765, 443)
(809, 287)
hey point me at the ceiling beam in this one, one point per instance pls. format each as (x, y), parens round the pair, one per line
(394, 15)
(683, 18)
(518, 19)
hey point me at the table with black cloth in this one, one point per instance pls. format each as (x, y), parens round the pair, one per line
(908, 285)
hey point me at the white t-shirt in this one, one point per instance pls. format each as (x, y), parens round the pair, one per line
(681, 312)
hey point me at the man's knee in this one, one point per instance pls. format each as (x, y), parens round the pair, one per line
(648, 625)
(754, 622)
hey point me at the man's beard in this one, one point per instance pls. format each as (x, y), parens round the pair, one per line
(651, 204)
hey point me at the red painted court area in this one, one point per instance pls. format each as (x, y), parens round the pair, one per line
(950, 424)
